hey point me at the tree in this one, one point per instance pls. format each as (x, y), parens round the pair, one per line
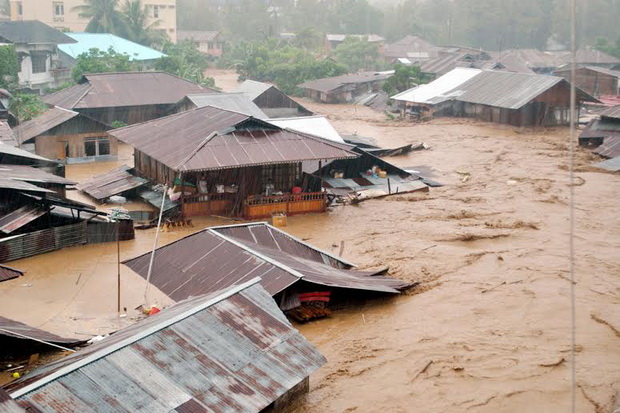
(309, 39)
(104, 17)
(604, 45)
(357, 54)
(184, 60)
(138, 28)
(98, 61)
(26, 106)
(9, 67)
(405, 77)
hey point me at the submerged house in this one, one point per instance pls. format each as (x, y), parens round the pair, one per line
(228, 351)
(295, 273)
(345, 88)
(129, 98)
(68, 136)
(236, 102)
(518, 99)
(223, 162)
(271, 100)
(594, 80)
(603, 134)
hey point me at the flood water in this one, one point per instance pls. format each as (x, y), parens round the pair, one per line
(487, 330)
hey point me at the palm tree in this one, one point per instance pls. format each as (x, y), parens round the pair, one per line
(104, 17)
(137, 22)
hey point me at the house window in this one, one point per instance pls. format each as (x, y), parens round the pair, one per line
(96, 146)
(156, 12)
(283, 177)
(59, 9)
(20, 9)
(39, 62)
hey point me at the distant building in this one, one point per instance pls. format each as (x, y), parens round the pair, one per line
(335, 40)
(62, 15)
(36, 45)
(130, 97)
(345, 88)
(413, 48)
(594, 80)
(524, 100)
(236, 102)
(142, 55)
(271, 100)
(209, 42)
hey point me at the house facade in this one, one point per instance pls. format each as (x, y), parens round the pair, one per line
(36, 45)
(594, 80)
(219, 162)
(210, 43)
(345, 88)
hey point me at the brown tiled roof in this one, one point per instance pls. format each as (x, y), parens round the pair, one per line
(210, 138)
(104, 90)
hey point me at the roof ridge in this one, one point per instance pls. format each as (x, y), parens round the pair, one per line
(97, 355)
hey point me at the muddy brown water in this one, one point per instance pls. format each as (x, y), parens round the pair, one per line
(488, 330)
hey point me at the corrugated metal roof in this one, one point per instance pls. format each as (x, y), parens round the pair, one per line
(197, 35)
(253, 89)
(20, 217)
(612, 164)
(328, 84)
(31, 32)
(7, 404)
(30, 174)
(198, 146)
(532, 58)
(21, 153)
(236, 102)
(9, 273)
(230, 351)
(216, 258)
(6, 134)
(438, 90)
(111, 183)
(47, 120)
(7, 183)
(316, 125)
(409, 44)
(105, 41)
(15, 329)
(485, 87)
(105, 90)
(613, 112)
(372, 38)
(610, 147)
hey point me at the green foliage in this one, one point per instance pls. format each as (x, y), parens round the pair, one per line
(280, 63)
(98, 61)
(405, 77)
(184, 60)
(26, 106)
(58, 88)
(137, 25)
(104, 17)
(604, 45)
(358, 54)
(118, 124)
(9, 67)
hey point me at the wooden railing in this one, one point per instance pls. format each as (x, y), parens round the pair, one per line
(291, 204)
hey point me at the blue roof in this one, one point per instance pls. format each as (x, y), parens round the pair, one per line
(103, 41)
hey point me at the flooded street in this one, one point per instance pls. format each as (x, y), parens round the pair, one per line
(487, 330)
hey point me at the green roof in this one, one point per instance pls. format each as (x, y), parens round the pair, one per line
(103, 41)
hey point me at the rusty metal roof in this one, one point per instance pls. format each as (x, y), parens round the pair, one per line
(32, 175)
(230, 351)
(14, 151)
(20, 217)
(111, 183)
(45, 121)
(7, 404)
(236, 102)
(17, 330)
(215, 258)
(7, 183)
(105, 90)
(210, 138)
(8, 273)
(613, 112)
(329, 84)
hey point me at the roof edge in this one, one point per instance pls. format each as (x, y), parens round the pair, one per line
(227, 293)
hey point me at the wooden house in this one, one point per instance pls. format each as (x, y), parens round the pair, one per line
(222, 162)
(209, 42)
(345, 88)
(594, 80)
(271, 100)
(68, 136)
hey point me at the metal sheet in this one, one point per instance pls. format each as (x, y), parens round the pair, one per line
(20, 217)
(198, 147)
(30, 174)
(241, 358)
(45, 121)
(6, 183)
(330, 84)
(610, 147)
(8, 405)
(613, 112)
(111, 183)
(6, 135)
(31, 32)
(9, 273)
(610, 164)
(9, 326)
(236, 102)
